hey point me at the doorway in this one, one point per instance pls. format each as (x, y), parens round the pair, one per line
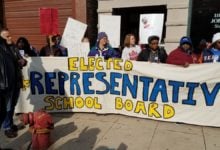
(205, 20)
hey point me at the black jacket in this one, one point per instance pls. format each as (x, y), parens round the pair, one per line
(145, 54)
(3, 76)
(5, 51)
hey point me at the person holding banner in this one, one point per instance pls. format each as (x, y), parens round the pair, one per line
(182, 55)
(152, 52)
(130, 51)
(103, 48)
(216, 47)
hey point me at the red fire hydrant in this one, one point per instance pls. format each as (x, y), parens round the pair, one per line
(40, 125)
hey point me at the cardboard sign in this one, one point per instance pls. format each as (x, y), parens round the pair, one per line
(111, 25)
(73, 32)
(150, 24)
(49, 21)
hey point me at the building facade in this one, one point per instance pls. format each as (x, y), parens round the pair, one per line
(182, 17)
(21, 17)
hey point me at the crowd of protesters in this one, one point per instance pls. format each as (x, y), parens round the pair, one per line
(12, 59)
(183, 55)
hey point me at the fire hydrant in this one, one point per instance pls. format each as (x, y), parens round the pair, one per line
(40, 125)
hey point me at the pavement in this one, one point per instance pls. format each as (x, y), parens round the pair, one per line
(86, 131)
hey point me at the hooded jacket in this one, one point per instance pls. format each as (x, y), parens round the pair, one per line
(107, 52)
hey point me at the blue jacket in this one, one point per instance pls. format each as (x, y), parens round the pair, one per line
(107, 52)
(215, 55)
(207, 56)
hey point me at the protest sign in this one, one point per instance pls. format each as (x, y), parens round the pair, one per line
(111, 25)
(49, 21)
(150, 24)
(73, 32)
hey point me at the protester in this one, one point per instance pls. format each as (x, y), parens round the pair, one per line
(152, 52)
(182, 55)
(103, 48)
(197, 54)
(216, 47)
(52, 48)
(11, 81)
(207, 54)
(130, 51)
(56, 40)
(25, 48)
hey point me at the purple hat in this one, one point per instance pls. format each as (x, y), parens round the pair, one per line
(101, 35)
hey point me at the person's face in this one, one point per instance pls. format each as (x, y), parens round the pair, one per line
(20, 44)
(58, 39)
(186, 46)
(6, 35)
(154, 44)
(103, 41)
(217, 46)
(132, 40)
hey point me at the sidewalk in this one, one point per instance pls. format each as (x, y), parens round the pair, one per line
(84, 131)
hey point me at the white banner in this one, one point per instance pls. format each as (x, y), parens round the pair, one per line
(111, 25)
(141, 89)
(150, 24)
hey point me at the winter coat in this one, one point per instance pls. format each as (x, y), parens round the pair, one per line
(46, 51)
(145, 54)
(107, 52)
(179, 57)
(11, 73)
(3, 76)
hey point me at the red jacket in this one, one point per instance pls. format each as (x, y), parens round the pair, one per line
(179, 57)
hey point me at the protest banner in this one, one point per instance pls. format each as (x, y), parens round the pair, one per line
(150, 24)
(141, 89)
(111, 25)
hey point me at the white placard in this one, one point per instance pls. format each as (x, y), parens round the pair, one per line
(73, 32)
(78, 49)
(150, 24)
(111, 25)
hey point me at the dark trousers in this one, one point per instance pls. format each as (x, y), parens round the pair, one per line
(3, 106)
(10, 107)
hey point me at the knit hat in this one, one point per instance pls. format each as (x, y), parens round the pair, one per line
(216, 37)
(185, 40)
(101, 35)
